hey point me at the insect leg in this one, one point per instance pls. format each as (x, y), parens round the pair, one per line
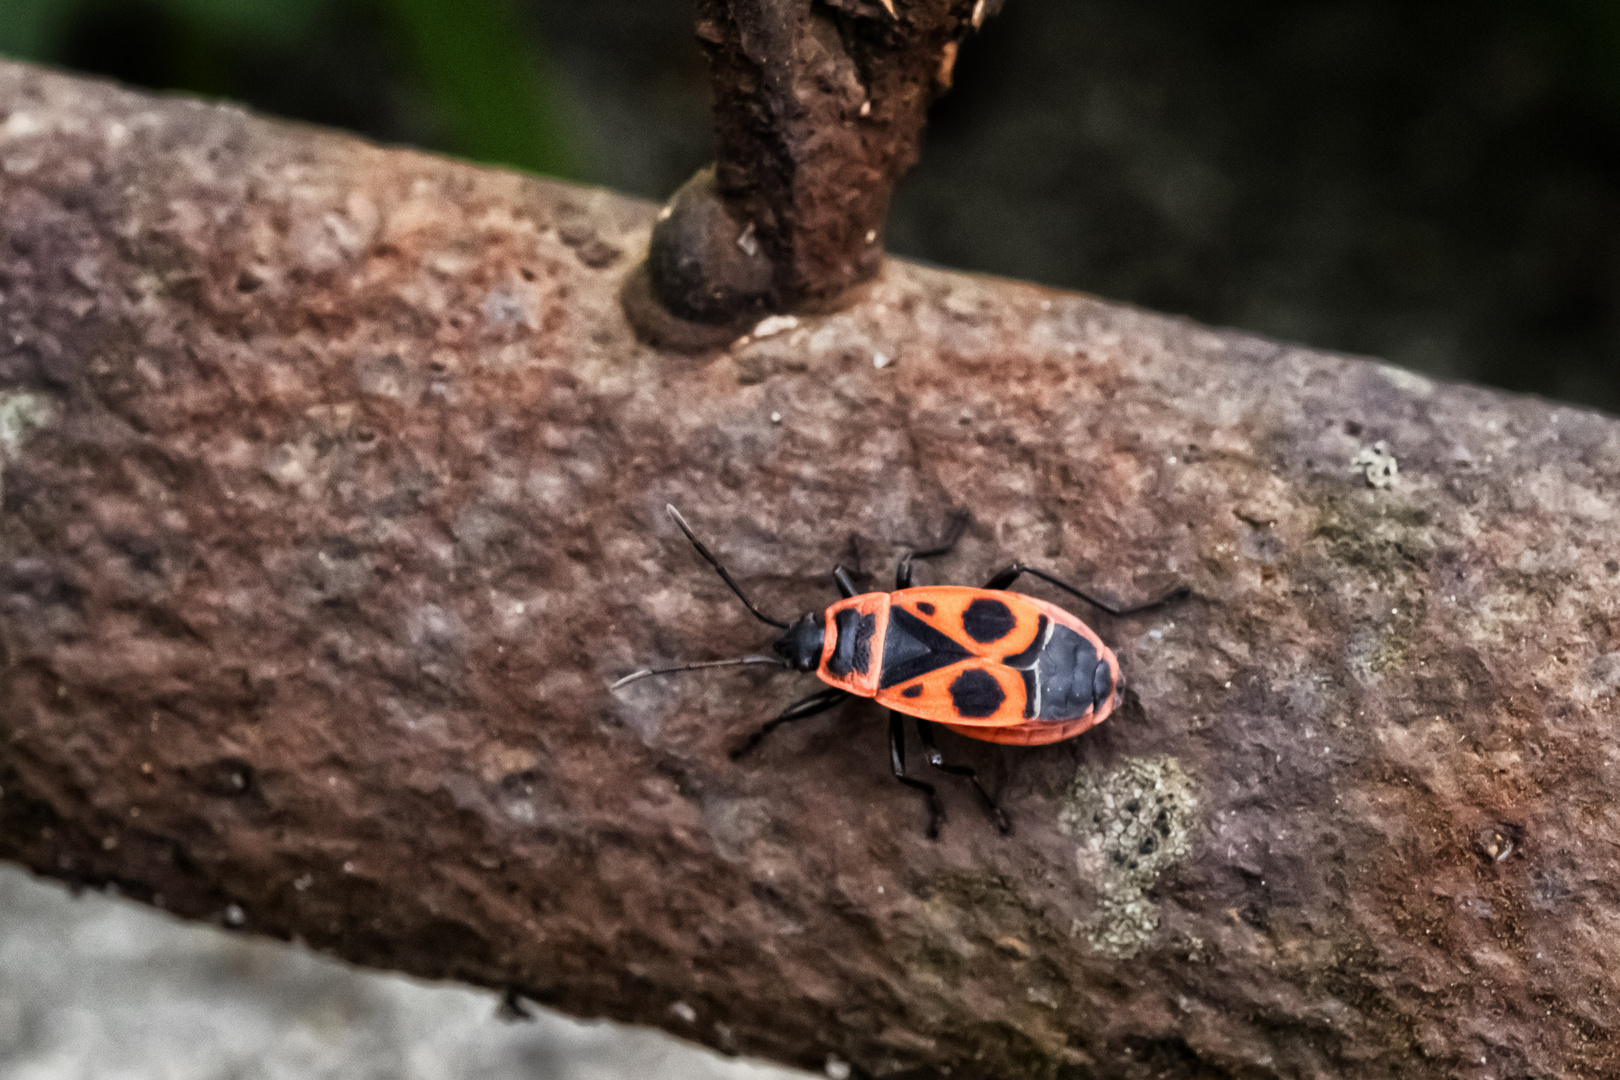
(1016, 570)
(959, 524)
(846, 584)
(897, 760)
(925, 735)
(819, 702)
(1006, 577)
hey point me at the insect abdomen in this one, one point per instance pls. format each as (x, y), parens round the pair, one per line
(1069, 676)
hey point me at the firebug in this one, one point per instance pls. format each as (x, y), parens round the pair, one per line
(984, 662)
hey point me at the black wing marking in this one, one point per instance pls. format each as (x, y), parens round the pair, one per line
(853, 650)
(1024, 663)
(911, 648)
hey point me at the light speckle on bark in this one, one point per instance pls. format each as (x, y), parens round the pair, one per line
(21, 414)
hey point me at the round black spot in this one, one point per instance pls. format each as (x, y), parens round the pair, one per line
(988, 620)
(976, 693)
(925, 607)
(912, 691)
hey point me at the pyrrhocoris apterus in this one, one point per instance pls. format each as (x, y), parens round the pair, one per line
(986, 663)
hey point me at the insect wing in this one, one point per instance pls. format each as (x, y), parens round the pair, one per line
(983, 622)
(971, 659)
(975, 691)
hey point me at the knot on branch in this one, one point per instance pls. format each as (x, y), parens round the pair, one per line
(819, 110)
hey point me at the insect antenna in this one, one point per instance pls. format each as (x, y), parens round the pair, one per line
(645, 672)
(714, 562)
(1180, 592)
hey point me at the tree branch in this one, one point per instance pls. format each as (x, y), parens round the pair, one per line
(333, 501)
(819, 110)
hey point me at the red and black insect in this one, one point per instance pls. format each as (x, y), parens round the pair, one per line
(986, 663)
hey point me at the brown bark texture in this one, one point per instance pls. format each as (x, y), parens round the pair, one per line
(333, 489)
(819, 109)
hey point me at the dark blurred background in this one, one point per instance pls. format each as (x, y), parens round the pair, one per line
(1429, 181)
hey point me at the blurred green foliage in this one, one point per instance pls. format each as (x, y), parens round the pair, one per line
(29, 27)
(469, 65)
(473, 58)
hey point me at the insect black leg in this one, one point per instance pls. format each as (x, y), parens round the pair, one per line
(819, 702)
(1005, 577)
(902, 574)
(1016, 570)
(959, 524)
(846, 584)
(897, 760)
(925, 735)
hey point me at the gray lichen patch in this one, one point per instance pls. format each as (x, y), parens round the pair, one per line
(1134, 822)
(1377, 464)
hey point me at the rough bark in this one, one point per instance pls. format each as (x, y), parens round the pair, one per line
(333, 489)
(819, 110)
